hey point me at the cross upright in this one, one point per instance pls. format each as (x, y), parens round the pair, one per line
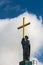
(22, 26)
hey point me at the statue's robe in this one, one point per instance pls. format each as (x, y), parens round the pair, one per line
(26, 49)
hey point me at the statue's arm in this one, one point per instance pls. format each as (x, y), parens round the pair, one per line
(22, 42)
(28, 43)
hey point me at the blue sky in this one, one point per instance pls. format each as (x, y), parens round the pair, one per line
(13, 8)
(39, 55)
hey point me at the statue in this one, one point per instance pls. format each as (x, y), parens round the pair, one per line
(26, 48)
(25, 45)
(25, 42)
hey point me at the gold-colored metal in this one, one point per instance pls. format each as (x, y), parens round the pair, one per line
(23, 26)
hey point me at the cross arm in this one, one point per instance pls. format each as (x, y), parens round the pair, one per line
(23, 26)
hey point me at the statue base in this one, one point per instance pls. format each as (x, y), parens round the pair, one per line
(25, 63)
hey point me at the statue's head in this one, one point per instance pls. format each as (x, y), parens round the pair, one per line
(26, 37)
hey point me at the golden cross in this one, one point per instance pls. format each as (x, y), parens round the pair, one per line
(23, 26)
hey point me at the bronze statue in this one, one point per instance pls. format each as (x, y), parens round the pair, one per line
(26, 48)
(25, 42)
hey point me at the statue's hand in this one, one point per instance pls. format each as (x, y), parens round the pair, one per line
(23, 38)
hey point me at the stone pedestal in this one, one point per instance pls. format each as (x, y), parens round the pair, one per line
(25, 63)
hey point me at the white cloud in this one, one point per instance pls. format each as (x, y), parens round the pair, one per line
(10, 38)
